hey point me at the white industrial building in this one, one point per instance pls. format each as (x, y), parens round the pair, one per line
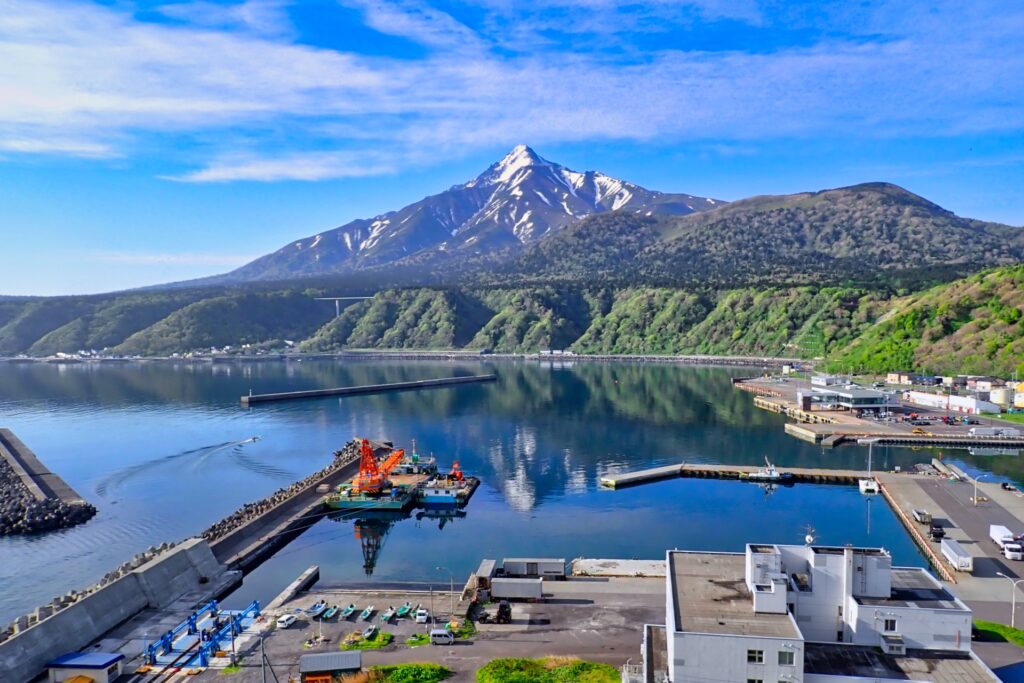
(814, 614)
(954, 404)
(847, 397)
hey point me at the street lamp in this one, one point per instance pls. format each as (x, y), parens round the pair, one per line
(451, 594)
(976, 488)
(1013, 598)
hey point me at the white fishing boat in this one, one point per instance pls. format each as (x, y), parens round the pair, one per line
(869, 485)
(768, 473)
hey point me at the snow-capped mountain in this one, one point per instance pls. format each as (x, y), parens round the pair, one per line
(517, 201)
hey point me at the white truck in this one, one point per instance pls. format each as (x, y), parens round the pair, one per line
(1013, 551)
(1000, 535)
(957, 556)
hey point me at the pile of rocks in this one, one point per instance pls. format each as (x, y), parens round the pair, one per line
(22, 513)
(252, 510)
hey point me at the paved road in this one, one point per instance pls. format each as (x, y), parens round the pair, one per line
(954, 497)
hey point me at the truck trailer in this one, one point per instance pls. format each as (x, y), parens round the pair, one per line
(1000, 535)
(957, 556)
(517, 589)
(550, 568)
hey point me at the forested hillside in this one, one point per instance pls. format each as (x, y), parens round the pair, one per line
(969, 325)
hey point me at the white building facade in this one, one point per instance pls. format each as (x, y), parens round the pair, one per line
(784, 613)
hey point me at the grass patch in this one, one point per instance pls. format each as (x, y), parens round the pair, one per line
(231, 669)
(992, 632)
(417, 639)
(1017, 418)
(411, 673)
(546, 670)
(355, 641)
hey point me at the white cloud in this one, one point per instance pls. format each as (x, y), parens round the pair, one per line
(310, 166)
(231, 94)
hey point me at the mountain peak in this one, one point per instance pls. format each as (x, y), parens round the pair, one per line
(521, 157)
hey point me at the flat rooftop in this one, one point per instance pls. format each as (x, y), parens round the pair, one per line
(709, 595)
(914, 587)
(919, 665)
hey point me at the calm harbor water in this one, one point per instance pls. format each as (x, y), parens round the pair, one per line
(163, 450)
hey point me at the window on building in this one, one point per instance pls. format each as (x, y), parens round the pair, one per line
(787, 658)
(755, 656)
(755, 680)
(890, 626)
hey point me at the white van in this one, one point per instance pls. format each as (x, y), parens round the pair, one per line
(285, 621)
(440, 636)
(1013, 551)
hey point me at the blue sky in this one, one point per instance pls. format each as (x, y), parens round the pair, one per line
(142, 142)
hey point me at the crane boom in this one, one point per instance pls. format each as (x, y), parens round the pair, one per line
(391, 461)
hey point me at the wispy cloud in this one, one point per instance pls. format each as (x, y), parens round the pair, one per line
(310, 166)
(90, 80)
(139, 258)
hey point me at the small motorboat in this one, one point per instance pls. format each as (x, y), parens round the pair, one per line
(348, 611)
(330, 613)
(367, 613)
(370, 631)
(767, 473)
(404, 610)
(317, 608)
(387, 615)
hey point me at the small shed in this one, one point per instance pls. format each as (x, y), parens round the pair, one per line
(322, 667)
(86, 667)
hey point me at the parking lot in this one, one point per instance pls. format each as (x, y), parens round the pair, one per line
(599, 619)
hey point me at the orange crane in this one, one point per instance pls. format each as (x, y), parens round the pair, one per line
(373, 475)
(370, 478)
(391, 461)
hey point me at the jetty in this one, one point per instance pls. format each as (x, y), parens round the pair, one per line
(702, 471)
(36, 499)
(366, 389)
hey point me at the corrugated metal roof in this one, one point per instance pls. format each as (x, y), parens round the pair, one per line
(331, 661)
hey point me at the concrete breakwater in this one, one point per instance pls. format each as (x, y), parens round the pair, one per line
(33, 499)
(221, 530)
(366, 389)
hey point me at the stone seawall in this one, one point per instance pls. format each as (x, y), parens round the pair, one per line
(32, 498)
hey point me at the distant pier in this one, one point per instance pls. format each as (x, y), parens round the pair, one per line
(700, 471)
(366, 389)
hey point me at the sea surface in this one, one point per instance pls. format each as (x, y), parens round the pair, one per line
(164, 449)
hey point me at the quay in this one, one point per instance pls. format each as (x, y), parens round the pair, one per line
(702, 471)
(366, 389)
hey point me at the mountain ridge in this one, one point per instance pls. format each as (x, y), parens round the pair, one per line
(516, 201)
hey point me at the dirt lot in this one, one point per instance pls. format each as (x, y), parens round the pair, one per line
(599, 619)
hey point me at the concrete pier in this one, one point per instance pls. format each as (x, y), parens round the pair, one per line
(700, 471)
(366, 389)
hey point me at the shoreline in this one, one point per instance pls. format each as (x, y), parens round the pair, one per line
(406, 354)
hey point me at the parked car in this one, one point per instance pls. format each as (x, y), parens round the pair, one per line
(422, 615)
(285, 621)
(441, 636)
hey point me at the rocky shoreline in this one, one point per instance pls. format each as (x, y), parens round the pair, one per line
(22, 513)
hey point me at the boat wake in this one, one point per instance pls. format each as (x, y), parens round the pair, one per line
(201, 455)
